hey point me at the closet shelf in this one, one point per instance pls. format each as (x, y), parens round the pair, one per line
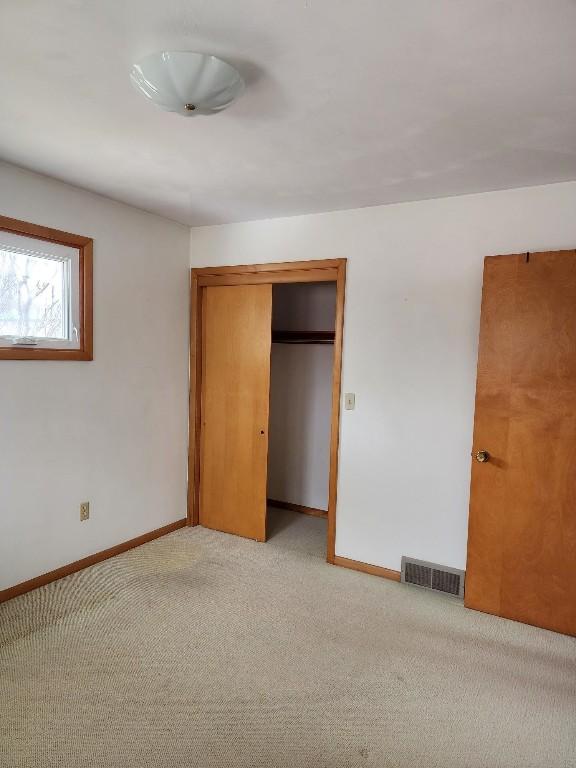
(303, 337)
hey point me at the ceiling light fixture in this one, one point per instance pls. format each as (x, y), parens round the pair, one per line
(187, 83)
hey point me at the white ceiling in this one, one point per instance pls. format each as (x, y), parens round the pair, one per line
(349, 102)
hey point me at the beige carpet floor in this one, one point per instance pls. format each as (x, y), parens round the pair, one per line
(202, 650)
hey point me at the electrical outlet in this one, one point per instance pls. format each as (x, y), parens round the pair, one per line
(85, 510)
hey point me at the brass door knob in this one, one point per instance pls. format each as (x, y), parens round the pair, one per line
(482, 456)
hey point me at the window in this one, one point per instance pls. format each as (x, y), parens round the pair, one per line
(38, 293)
(45, 293)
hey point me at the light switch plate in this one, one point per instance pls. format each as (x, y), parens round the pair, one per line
(349, 401)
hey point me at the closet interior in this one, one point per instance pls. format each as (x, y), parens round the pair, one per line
(302, 358)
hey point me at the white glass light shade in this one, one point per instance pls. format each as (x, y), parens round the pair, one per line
(187, 83)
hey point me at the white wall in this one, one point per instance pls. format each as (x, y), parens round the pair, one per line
(410, 339)
(301, 396)
(111, 431)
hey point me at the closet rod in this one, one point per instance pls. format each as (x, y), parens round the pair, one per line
(303, 337)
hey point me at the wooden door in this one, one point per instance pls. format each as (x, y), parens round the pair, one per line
(522, 526)
(237, 323)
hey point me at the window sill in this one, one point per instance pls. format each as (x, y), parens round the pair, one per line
(25, 353)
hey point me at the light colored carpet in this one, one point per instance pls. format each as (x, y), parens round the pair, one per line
(205, 650)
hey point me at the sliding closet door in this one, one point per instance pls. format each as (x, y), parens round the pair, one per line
(237, 323)
(522, 529)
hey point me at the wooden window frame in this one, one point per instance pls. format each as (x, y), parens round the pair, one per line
(321, 270)
(85, 252)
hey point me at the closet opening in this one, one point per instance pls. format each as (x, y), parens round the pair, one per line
(265, 381)
(301, 373)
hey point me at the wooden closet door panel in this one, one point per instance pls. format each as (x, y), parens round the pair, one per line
(522, 526)
(236, 324)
